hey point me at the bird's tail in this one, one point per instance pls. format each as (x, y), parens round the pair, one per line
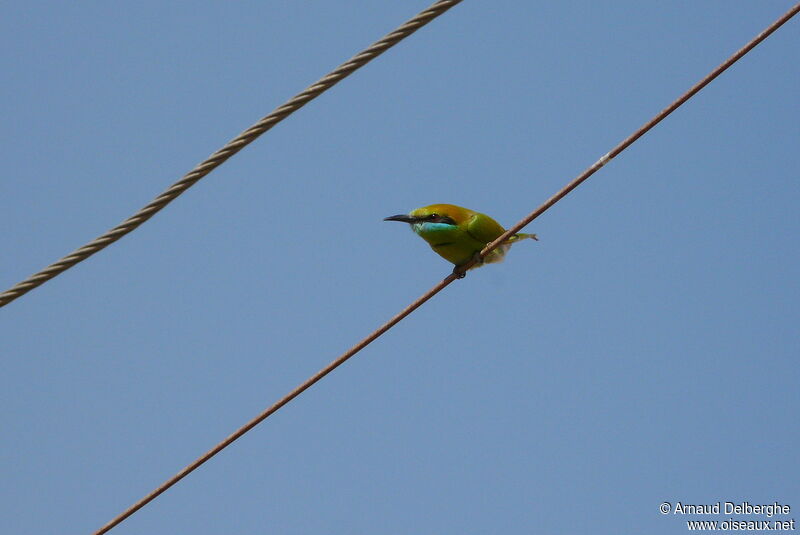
(518, 237)
(498, 254)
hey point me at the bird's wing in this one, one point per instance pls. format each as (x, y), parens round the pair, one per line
(483, 228)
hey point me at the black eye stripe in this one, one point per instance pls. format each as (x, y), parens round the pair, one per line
(438, 218)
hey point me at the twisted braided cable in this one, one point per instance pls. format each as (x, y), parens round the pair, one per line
(231, 148)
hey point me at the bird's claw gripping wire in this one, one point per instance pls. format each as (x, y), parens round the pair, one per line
(460, 272)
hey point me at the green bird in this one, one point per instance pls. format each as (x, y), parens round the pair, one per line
(458, 234)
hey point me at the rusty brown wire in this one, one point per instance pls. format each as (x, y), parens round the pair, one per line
(231, 148)
(453, 276)
(639, 133)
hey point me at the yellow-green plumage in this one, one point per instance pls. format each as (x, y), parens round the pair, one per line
(457, 233)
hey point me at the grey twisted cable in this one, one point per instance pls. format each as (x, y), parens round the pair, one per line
(231, 148)
(341, 359)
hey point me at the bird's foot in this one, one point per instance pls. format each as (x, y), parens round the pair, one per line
(460, 272)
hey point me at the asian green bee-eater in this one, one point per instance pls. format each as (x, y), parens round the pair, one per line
(458, 234)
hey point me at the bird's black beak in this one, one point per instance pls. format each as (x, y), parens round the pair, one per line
(403, 218)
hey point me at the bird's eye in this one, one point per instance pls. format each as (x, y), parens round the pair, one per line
(433, 217)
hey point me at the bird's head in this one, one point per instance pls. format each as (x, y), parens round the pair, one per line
(435, 214)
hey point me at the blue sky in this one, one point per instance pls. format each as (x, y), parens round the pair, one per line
(645, 350)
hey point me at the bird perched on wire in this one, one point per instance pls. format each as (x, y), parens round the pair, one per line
(458, 234)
